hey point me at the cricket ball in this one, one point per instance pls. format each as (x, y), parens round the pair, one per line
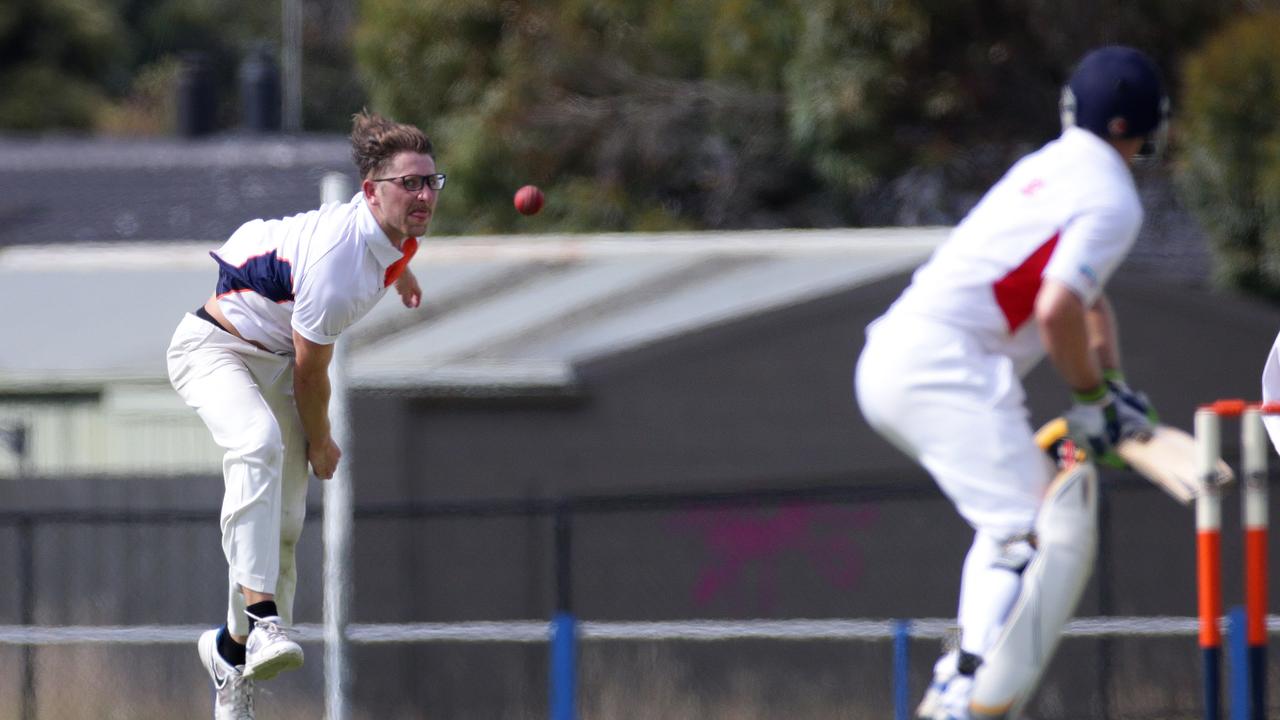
(529, 200)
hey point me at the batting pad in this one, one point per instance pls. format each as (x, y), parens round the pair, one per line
(1067, 533)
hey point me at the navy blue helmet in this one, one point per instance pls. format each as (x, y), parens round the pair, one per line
(1116, 82)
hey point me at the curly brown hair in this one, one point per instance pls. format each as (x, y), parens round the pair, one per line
(375, 140)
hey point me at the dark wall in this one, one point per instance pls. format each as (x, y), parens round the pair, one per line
(766, 401)
(125, 551)
(763, 403)
(1183, 346)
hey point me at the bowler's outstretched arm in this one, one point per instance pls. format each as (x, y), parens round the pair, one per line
(311, 393)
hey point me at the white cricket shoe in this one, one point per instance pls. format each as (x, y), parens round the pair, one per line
(269, 651)
(955, 700)
(943, 671)
(948, 695)
(232, 691)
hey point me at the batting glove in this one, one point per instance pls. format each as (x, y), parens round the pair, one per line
(1094, 423)
(1129, 398)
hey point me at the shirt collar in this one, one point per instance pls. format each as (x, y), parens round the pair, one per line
(372, 234)
(1090, 143)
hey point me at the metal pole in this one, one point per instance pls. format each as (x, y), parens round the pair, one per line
(563, 625)
(564, 559)
(337, 547)
(901, 669)
(335, 187)
(291, 65)
(27, 614)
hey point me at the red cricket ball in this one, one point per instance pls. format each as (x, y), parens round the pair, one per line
(529, 200)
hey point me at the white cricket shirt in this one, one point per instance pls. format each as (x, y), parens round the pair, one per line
(1271, 391)
(317, 273)
(1069, 211)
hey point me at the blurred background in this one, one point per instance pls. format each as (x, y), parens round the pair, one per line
(635, 405)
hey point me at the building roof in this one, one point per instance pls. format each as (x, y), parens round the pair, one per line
(60, 189)
(104, 242)
(104, 190)
(500, 314)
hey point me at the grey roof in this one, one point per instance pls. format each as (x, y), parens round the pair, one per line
(87, 189)
(60, 189)
(499, 313)
(95, 281)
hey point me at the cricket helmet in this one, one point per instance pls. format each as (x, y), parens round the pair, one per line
(1116, 82)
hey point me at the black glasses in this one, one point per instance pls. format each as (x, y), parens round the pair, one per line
(414, 183)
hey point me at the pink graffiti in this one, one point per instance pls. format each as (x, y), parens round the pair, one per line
(742, 545)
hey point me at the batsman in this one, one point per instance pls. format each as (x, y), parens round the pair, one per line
(940, 376)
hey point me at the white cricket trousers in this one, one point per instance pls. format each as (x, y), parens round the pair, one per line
(245, 396)
(959, 410)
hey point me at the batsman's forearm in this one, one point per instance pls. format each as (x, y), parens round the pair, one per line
(1104, 335)
(311, 393)
(1064, 330)
(1071, 356)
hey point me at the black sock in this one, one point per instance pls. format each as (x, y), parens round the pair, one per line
(229, 649)
(967, 663)
(266, 608)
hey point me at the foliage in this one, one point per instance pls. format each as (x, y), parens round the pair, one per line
(1230, 140)
(113, 62)
(62, 44)
(150, 108)
(850, 83)
(331, 87)
(222, 32)
(622, 110)
(736, 113)
(630, 113)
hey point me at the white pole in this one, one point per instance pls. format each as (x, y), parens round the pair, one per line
(335, 187)
(337, 518)
(291, 64)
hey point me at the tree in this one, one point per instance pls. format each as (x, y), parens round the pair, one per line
(160, 32)
(114, 63)
(55, 56)
(1230, 147)
(641, 114)
(637, 115)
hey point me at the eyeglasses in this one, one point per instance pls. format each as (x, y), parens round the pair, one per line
(414, 183)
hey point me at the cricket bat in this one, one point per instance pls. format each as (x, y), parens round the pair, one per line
(1166, 456)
